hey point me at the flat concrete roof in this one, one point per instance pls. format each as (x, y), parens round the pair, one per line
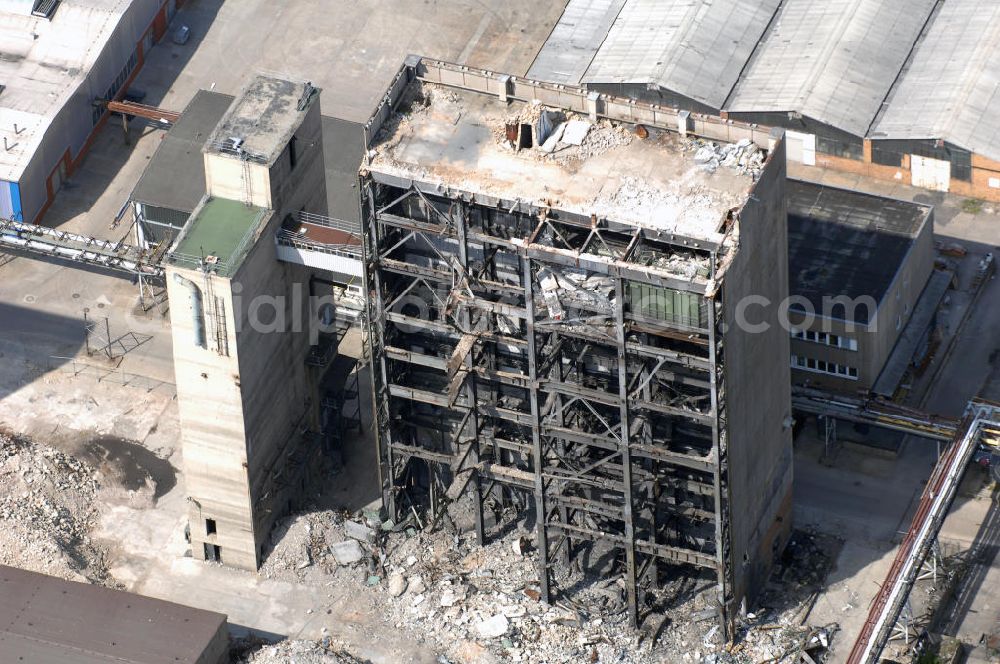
(175, 176)
(216, 232)
(45, 620)
(263, 118)
(847, 243)
(43, 62)
(457, 139)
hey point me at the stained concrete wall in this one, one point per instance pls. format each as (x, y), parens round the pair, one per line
(234, 179)
(304, 185)
(757, 382)
(901, 297)
(210, 401)
(272, 347)
(243, 415)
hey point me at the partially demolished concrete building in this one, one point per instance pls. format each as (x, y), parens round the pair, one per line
(558, 282)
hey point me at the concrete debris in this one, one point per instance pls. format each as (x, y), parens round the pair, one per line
(571, 290)
(576, 132)
(47, 512)
(662, 209)
(397, 584)
(256, 651)
(745, 156)
(493, 627)
(347, 552)
(552, 141)
(461, 597)
(415, 586)
(359, 531)
(452, 596)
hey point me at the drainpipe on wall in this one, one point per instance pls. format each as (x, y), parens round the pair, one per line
(197, 311)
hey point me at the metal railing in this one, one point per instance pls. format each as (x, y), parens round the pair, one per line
(354, 228)
(222, 266)
(298, 241)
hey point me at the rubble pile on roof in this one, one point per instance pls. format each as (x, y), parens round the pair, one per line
(555, 158)
(744, 156)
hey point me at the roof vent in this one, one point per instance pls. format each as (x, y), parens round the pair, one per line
(232, 145)
(44, 8)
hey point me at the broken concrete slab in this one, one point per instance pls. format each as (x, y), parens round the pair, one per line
(493, 627)
(359, 531)
(347, 552)
(575, 132)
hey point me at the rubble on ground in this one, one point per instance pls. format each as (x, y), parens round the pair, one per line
(47, 511)
(482, 604)
(254, 651)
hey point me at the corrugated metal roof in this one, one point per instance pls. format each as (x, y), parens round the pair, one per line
(694, 48)
(574, 41)
(831, 60)
(951, 89)
(44, 619)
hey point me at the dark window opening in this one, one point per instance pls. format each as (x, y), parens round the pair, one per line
(293, 155)
(885, 156)
(210, 527)
(848, 149)
(524, 137)
(213, 553)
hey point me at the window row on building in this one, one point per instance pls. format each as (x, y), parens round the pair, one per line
(824, 367)
(825, 338)
(116, 85)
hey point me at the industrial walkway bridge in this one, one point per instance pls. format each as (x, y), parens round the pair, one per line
(120, 256)
(317, 241)
(981, 426)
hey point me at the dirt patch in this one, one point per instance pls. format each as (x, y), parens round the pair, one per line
(130, 465)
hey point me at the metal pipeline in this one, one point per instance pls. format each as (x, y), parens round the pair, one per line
(197, 310)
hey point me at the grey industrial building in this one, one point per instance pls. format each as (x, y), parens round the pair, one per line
(60, 62)
(44, 619)
(173, 183)
(893, 89)
(860, 266)
(533, 332)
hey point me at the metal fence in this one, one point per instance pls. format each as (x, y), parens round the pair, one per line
(108, 374)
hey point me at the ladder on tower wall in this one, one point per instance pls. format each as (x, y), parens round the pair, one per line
(215, 314)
